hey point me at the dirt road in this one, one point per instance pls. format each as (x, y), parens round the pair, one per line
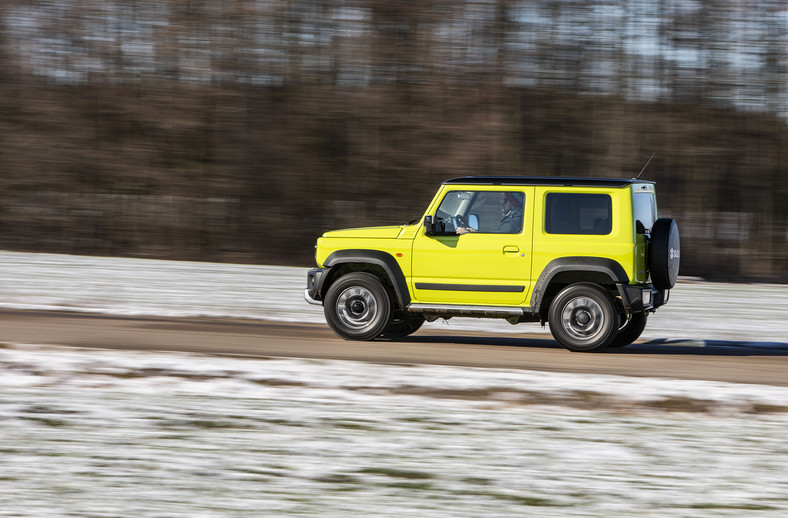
(733, 362)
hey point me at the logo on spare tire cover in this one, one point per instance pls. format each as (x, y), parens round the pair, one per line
(674, 254)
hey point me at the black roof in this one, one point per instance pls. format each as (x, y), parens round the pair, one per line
(545, 180)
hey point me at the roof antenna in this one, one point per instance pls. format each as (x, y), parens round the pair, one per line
(645, 166)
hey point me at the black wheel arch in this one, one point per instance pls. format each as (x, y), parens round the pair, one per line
(377, 262)
(562, 272)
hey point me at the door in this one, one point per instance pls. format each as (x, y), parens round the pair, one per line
(482, 252)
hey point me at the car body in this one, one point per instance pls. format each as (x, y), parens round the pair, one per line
(587, 255)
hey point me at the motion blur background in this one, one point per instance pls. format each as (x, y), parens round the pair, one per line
(239, 130)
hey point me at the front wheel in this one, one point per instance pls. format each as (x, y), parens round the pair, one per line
(357, 306)
(583, 318)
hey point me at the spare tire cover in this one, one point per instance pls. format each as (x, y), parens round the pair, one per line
(664, 253)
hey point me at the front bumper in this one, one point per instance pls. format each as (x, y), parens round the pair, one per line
(308, 298)
(642, 297)
(313, 293)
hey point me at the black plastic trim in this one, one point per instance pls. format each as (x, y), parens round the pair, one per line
(314, 282)
(470, 287)
(378, 258)
(602, 265)
(632, 297)
(515, 313)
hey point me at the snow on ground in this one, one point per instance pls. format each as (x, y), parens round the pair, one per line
(122, 286)
(123, 433)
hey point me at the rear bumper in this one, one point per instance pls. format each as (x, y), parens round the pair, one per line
(642, 297)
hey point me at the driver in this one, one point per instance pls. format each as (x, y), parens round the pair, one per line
(512, 212)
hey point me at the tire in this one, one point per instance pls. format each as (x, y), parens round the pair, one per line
(583, 318)
(401, 327)
(357, 306)
(630, 330)
(664, 253)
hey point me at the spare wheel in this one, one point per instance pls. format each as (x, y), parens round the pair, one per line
(664, 253)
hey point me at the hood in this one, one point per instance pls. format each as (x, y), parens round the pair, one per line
(391, 232)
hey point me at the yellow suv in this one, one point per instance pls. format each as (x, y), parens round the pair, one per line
(586, 255)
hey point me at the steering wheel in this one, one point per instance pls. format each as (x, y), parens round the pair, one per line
(459, 221)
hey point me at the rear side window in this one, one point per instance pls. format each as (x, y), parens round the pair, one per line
(572, 213)
(645, 209)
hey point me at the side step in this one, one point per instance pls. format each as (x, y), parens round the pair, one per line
(455, 310)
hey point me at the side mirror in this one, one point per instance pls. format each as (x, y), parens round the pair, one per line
(428, 226)
(473, 221)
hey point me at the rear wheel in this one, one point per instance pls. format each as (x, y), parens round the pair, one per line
(583, 318)
(401, 327)
(357, 306)
(630, 330)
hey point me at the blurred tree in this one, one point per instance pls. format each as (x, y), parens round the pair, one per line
(241, 129)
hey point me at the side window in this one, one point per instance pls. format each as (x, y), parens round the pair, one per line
(498, 212)
(645, 209)
(454, 203)
(486, 212)
(573, 213)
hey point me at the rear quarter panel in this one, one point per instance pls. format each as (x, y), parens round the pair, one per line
(619, 245)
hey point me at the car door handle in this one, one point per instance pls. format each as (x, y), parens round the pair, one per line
(511, 249)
